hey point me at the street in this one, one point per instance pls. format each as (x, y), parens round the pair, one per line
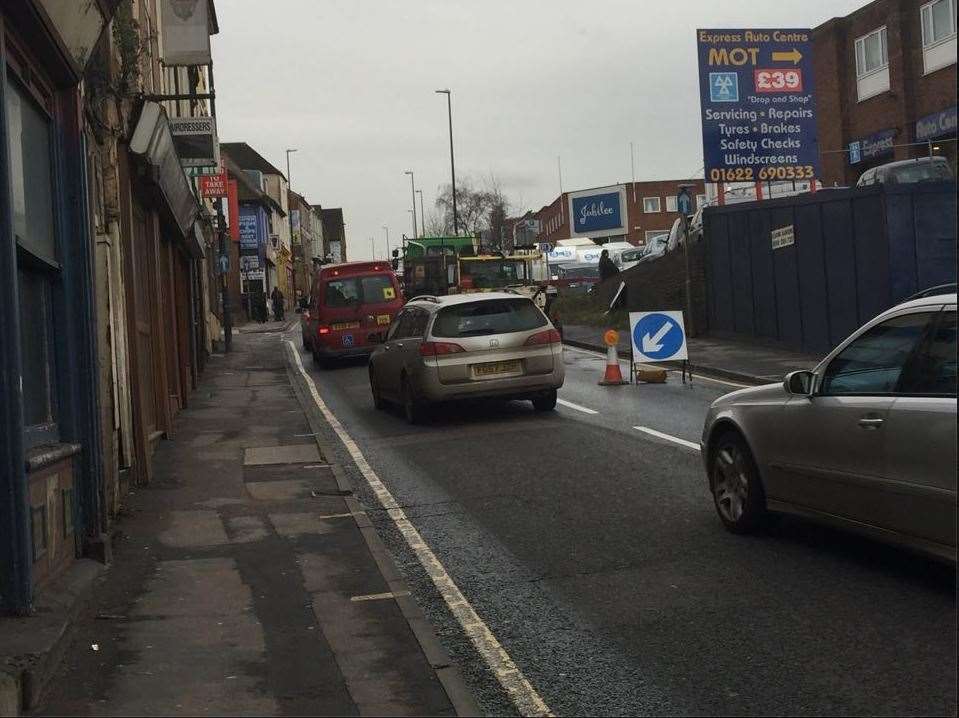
(592, 551)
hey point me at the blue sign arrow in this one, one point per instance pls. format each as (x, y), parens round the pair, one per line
(684, 203)
(658, 336)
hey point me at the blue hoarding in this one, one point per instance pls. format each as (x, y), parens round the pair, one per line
(758, 105)
(596, 212)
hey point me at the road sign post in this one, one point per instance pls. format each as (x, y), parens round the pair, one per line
(659, 336)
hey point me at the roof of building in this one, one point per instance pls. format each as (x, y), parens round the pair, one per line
(246, 190)
(248, 158)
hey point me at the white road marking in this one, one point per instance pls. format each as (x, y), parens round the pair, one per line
(341, 516)
(379, 596)
(668, 437)
(571, 405)
(527, 701)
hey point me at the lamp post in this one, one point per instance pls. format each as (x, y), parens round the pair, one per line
(289, 216)
(422, 213)
(387, 241)
(372, 250)
(413, 212)
(413, 191)
(449, 107)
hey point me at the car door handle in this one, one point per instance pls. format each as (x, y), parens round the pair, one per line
(870, 422)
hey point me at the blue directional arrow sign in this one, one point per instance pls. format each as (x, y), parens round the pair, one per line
(658, 336)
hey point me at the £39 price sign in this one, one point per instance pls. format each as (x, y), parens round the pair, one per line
(758, 105)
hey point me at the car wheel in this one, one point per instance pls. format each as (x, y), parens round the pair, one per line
(545, 401)
(736, 487)
(378, 402)
(412, 408)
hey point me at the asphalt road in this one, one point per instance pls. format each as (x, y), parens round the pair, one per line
(592, 551)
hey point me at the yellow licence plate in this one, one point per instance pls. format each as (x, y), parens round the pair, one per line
(498, 367)
(346, 325)
(382, 319)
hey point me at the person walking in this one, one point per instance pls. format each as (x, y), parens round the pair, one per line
(278, 299)
(607, 268)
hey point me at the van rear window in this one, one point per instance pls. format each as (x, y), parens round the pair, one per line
(374, 289)
(493, 316)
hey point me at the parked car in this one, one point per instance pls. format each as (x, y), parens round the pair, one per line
(922, 169)
(462, 346)
(574, 278)
(866, 440)
(629, 259)
(351, 305)
(655, 248)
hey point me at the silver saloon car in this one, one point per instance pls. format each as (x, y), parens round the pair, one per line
(477, 345)
(867, 440)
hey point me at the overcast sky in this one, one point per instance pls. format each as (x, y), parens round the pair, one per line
(350, 84)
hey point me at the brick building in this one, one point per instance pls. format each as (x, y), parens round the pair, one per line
(650, 210)
(886, 86)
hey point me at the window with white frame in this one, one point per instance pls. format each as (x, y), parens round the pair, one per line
(700, 201)
(872, 54)
(938, 19)
(671, 205)
(651, 205)
(872, 64)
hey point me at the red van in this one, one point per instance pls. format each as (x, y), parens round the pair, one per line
(349, 305)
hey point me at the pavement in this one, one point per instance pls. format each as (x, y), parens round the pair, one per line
(248, 578)
(728, 357)
(589, 547)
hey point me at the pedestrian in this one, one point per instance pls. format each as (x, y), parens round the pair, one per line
(276, 296)
(606, 267)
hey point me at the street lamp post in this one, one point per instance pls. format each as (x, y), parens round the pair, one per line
(449, 107)
(413, 212)
(422, 213)
(387, 241)
(289, 217)
(372, 250)
(413, 189)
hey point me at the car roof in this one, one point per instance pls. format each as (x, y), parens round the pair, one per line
(350, 268)
(934, 300)
(451, 299)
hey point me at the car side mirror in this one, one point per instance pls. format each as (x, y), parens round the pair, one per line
(799, 383)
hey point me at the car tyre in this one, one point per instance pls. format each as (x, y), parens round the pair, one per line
(735, 484)
(378, 402)
(412, 408)
(545, 401)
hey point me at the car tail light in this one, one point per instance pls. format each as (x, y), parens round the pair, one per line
(433, 349)
(323, 330)
(550, 336)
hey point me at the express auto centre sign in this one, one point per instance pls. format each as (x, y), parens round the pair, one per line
(758, 105)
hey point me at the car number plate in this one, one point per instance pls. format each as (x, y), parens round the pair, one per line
(346, 325)
(382, 319)
(498, 367)
(347, 340)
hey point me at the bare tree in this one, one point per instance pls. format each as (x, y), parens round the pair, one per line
(479, 208)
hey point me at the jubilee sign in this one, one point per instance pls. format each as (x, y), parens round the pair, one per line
(758, 105)
(599, 212)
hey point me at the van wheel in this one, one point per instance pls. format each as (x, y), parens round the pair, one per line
(735, 484)
(412, 408)
(545, 401)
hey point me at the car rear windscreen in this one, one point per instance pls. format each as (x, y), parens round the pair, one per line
(351, 291)
(492, 316)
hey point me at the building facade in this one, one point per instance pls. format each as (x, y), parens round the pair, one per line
(644, 210)
(885, 86)
(334, 235)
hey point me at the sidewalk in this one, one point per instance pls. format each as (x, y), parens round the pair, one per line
(728, 358)
(247, 580)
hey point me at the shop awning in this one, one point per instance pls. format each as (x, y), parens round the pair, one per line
(153, 141)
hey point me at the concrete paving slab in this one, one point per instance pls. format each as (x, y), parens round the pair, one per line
(299, 524)
(280, 490)
(288, 454)
(194, 529)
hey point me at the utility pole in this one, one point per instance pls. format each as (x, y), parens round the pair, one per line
(413, 188)
(422, 213)
(559, 169)
(449, 106)
(372, 250)
(683, 207)
(387, 241)
(632, 165)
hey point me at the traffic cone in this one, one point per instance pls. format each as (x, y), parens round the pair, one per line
(613, 375)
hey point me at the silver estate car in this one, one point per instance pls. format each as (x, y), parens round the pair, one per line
(867, 440)
(494, 344)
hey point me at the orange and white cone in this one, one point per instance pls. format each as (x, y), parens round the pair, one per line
(613, 375)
